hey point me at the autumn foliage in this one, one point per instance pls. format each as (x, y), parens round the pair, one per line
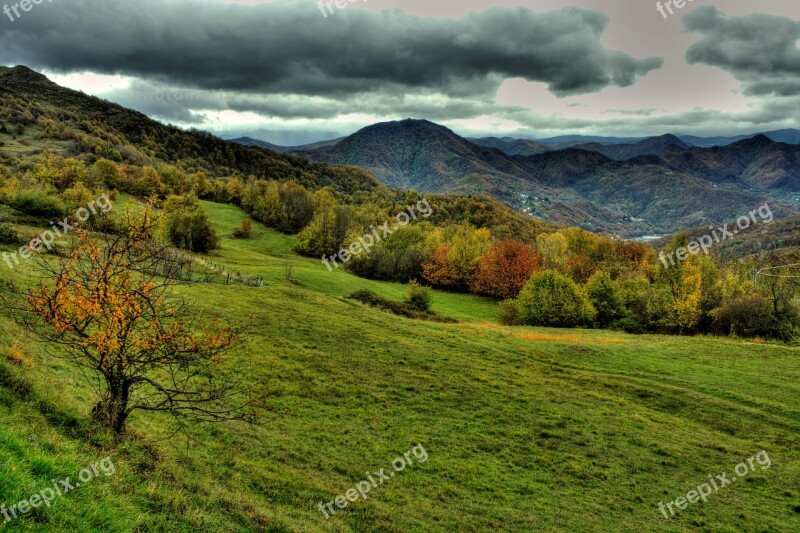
(505, 269)
(110, 313)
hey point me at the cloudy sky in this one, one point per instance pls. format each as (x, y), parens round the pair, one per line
(296, 72)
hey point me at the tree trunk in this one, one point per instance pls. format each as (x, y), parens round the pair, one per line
(112, 410)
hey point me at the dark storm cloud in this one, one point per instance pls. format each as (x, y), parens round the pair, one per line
(759, 50)
(293, 49)
(175, 105)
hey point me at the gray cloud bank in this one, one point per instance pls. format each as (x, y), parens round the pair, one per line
(758, 50)
(291, 48)
(286, 63)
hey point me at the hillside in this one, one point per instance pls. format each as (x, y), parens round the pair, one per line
(92, 125)
(779, 237)
(755, 164)
(545, 424)
(669, 199)
(342, 266)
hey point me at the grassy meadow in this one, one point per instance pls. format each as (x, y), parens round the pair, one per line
(527, 429)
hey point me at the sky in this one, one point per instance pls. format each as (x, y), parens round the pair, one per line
(296, 71)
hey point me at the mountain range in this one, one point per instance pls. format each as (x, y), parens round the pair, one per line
(520, 146)
(629, 188)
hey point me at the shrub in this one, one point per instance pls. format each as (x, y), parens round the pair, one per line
(508, 313)
(8, 235)
(634, 295)
(105, 173)
(629, 324)
(396, 258)
(244, 231)
(419, 297)
(605, 297)
(38, 204)
(398, 308)
(749, 315)
(550, 299)
(111, 153)
(188, 225)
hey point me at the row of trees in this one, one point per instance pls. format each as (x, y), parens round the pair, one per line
(699, 296)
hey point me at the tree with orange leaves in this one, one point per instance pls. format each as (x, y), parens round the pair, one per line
(108, 310)
(505, 269)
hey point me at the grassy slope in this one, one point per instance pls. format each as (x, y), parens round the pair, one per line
(527, 428)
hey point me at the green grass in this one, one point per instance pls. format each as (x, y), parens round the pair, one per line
(527, 429)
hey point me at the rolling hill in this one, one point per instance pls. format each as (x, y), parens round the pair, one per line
(544, 423)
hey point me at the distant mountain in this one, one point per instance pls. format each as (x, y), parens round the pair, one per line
(425, 156)
(664, 186)
(315, 146)
(755, 164)
(248, 141)
(288, 138)
(620, 152)
(421, 155)
(707, 142)
(646, 192)
(570, 141)
(512, 146)
(788, 136)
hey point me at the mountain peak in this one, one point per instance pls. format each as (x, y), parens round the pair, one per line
(762, 139)
(408, 123)
(23, 75)
(671, 137)
(757, 141)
